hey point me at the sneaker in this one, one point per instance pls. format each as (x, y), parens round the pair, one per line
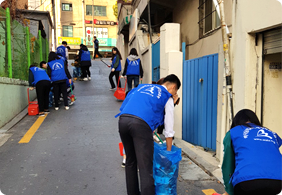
(56, 108)
(67, 108)
(41, 114)
(123, 165)
(111, 89)
(89, 78)
(85, 79)
(46, 111)
(71, 103)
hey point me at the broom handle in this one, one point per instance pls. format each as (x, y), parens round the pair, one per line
(71, 89)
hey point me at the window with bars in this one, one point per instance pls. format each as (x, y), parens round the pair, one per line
(67, 31)
(208, 17)
(98, 10)
(67, 7)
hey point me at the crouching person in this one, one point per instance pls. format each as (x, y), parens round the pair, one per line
(39, 79)
(141, 113)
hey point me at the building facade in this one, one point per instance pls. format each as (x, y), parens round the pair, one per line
(78, 21)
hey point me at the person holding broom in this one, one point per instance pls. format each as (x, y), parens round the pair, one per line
(141, 113)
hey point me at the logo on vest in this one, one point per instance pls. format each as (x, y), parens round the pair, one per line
(133, 63)
(60, 50)
(150, 90)
(57, 66)
(262, 133)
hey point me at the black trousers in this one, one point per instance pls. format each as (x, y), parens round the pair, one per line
(258, 187)
(60, 88)
(97, 52)
(85, 71)
(137, 139)
(116, 74)
(42, 91)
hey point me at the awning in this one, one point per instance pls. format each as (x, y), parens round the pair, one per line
(125, 22)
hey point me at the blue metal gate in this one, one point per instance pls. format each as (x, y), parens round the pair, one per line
(156, 61)
(200, 79)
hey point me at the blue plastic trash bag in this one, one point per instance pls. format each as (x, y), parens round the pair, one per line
(165, 170)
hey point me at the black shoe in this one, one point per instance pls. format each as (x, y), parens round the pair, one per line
(46, 111)
(123, 165)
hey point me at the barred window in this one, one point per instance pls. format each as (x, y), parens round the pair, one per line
(67, 7)
(208, 16)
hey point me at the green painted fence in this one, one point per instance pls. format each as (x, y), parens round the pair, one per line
(19, 48)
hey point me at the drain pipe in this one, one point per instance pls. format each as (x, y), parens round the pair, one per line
(227, 101)
(226, 62)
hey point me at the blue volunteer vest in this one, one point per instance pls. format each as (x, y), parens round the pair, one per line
(133, 67)
(58, 70)
(39, 74)
(85, 56)
(119, 65)
(257, 154)
(147, 102)
(61, 50)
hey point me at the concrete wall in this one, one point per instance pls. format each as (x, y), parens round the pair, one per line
(172, 63)
(246, 49)
(22, 4)
(13, 98)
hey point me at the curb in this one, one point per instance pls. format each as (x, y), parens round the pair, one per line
(14, 121)
(204, 160)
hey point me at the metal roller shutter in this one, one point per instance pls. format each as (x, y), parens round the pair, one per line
(273, 41)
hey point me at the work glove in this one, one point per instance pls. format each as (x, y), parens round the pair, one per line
(113, 69)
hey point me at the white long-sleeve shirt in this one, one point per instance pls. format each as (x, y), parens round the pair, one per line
(67, 53)
(169, 118)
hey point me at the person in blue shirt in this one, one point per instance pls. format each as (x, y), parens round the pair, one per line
(39, 79)
(63, 51)
(59, 73)
(140, 114)
(115, 67)
(133, 69)
(252, 162)
(96, 47)
(85, 62)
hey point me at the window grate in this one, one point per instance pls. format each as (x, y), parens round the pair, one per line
(66, 7)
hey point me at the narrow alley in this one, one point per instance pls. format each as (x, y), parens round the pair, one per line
(76, 151)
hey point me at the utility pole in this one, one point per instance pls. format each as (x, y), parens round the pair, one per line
(226, 61)
(83, 22)
(93, 28)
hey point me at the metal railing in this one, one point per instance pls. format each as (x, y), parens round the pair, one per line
(19, 48)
